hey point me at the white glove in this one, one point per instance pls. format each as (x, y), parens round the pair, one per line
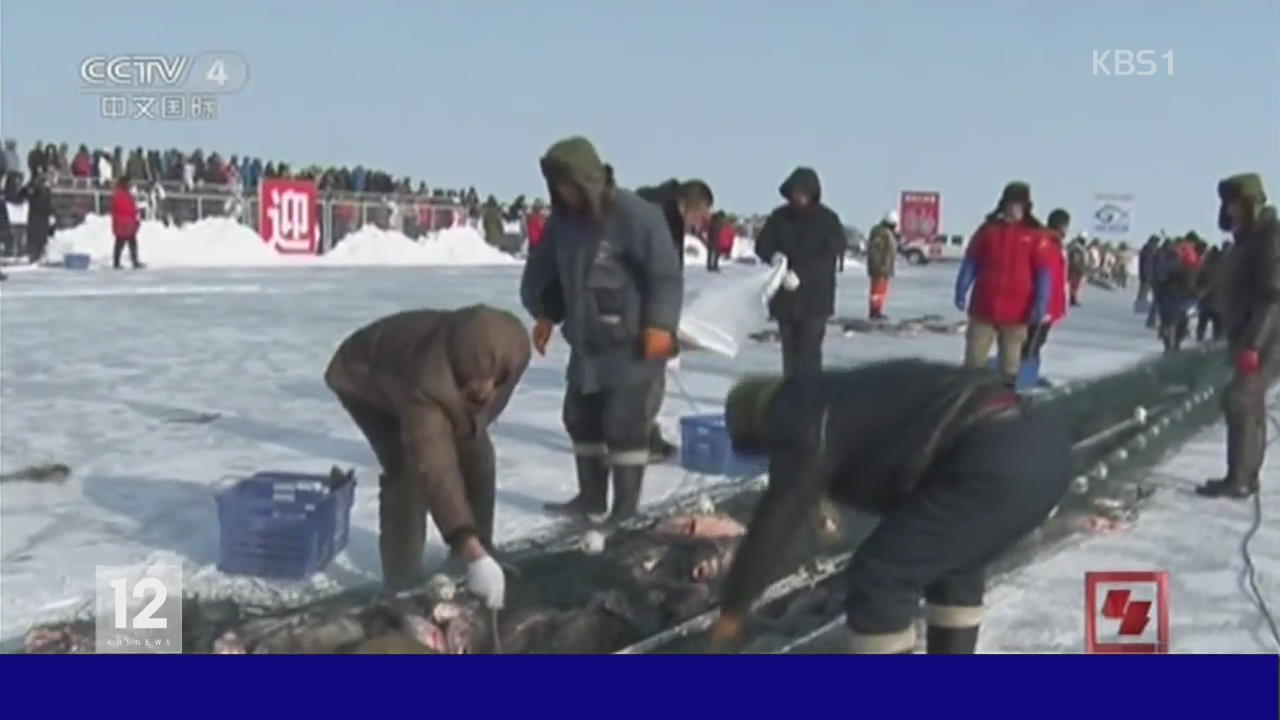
(778, 259)
(791, 281)
(485, 580)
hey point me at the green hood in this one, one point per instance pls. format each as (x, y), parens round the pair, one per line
(575, 160)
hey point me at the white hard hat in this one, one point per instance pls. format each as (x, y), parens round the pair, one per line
(891, 217)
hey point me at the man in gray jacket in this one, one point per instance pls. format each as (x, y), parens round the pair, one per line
(607, 272)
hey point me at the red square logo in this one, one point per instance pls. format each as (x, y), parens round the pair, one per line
(1126, 612)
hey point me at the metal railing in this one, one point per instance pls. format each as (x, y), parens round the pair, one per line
(340, 214)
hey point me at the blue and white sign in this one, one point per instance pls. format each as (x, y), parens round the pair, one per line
(1113, 214)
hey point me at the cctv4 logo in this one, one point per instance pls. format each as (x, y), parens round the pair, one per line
(1126, 612)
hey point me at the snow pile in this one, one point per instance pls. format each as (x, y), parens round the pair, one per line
(221, 242)
(453, 246)
(212, 242)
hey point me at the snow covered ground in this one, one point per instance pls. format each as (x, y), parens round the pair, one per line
(1041, 607)
(109, 372)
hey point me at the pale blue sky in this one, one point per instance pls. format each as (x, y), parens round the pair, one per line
(878, 96)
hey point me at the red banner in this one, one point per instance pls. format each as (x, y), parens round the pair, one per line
(287, 218)
(919, 215)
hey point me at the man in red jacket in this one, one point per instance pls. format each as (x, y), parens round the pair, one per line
(124, 222)
(534, 223)
(1056, 257)
(1006, 266)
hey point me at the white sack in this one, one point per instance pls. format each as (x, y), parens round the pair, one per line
(731, 308)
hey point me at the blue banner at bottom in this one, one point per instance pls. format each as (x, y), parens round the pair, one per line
(1238, 687)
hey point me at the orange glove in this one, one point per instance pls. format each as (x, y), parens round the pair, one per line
(726, 634)
(542, 335)
(658, 344)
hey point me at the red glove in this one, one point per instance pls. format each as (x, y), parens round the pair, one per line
(1247, 362)
(658, 344)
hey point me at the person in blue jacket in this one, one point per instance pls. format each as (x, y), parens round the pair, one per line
(1174, 274)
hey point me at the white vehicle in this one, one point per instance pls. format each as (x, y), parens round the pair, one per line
(941, 248)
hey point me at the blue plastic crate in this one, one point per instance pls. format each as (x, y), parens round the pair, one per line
(705, 448)
(283, 525)
(76, 261)
(1028, 373)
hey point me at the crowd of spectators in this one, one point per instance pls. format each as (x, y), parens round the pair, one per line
(208, 172)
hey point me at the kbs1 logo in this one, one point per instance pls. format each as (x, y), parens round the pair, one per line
(1127, 63)
(1126, 612)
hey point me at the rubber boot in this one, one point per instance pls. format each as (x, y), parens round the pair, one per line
(627, 483)
(593, 489)
(402, 532)
(1246, 443)
(660, 450)
(951, 641)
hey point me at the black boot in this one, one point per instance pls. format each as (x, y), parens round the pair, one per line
(1246, 441)
(951, 641)
(593, 489)
(660, 450)
(627, 482)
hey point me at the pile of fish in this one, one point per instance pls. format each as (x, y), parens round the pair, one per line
(586, 600)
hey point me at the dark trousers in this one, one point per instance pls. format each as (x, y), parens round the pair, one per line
(994, 486)
(6, 231)
(802, 345)
(132, 242)
(402, 497)
(1174, 326)
(1037, 335)
(37, 239)
(713, 259)
(1244, 406)
(1205, 319)
(614, 422)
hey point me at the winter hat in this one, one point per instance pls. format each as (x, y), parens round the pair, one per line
(1016, 191)
(1244, 186)
(744, 411)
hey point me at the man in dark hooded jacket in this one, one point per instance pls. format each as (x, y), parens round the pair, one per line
(811, 237)
(606, 271)
(1250, 296)
(423, 386)
(955, 465)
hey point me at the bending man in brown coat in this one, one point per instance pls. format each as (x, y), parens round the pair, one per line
(423, 386)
